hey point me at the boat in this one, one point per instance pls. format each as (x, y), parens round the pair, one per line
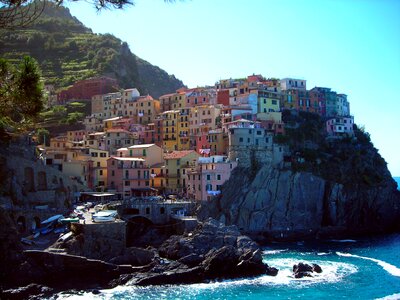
(105, 216)
(68, 220)
(103, 219)
(52, 219)
(46, 230)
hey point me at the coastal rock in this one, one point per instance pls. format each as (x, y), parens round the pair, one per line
(221, 251)
(271, 271)
(135, 257)
(282, 204)
(207, 236)
(75, 271)
(305, 270)
(29, 291)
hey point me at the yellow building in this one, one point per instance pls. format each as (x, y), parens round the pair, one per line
(183, 129)
(170, 129)
(146, 109)
(268, 101)
(218, 141)
(99, 167)
(177, 162)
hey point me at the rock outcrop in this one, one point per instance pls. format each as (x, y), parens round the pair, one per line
(212, 251)
(286, 204)
(305, 270)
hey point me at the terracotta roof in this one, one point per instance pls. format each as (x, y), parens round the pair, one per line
(167, 95)
(178, 154)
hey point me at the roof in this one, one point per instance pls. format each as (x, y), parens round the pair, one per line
(141, 146)
(112, 119)
(122, 149)
(97, 133)
(127, 158)
(243, 121)
(117, 130)
(178, 154)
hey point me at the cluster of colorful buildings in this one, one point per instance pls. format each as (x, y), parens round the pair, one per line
(188, 142)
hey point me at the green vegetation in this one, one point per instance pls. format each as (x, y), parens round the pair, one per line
(70, 113)
(21, 97)
(68, 51)
(349, 160)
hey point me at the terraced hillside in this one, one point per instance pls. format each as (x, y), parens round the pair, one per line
(68, 51)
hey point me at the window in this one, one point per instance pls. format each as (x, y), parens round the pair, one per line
(218, 176)
(112, 173)
(208, 177)
(101, 172)
(274, 102)
(258, 132)
(241, 140)
(127, 183)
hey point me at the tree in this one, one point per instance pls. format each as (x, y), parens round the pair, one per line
(43, 136)
(21, 92)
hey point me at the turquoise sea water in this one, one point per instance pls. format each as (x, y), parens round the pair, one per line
(363, 269)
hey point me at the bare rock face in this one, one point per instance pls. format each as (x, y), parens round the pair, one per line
(285, 204)
(221, 251)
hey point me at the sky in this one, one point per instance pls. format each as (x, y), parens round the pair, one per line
(350, 46)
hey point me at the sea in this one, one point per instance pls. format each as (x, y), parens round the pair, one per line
(367, 268)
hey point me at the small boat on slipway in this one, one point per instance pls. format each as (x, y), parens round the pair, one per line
(105, 216)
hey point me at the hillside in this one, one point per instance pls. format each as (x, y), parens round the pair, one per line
(68, 51)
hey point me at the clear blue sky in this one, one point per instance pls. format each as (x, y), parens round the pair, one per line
(351, 46)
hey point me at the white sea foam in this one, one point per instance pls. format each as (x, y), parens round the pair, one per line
(391, 269)
(331, 272)
(390, 297)
(270, 252)
(323, 253)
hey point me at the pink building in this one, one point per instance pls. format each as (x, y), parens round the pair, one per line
(129, 176)
(76, 135)
(195, 97)
(206, 179)
(340, 126)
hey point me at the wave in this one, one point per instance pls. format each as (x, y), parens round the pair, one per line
(270, 252)
(391, 269)
(390, 297)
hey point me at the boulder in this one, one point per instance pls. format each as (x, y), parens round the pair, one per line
(271, 271)
(316, 268)
(305, 270)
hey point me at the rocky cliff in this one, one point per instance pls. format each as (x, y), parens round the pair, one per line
(327, 186)
(291, 205)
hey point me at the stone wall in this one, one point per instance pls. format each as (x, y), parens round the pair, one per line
(99, 241)
(31, 191)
